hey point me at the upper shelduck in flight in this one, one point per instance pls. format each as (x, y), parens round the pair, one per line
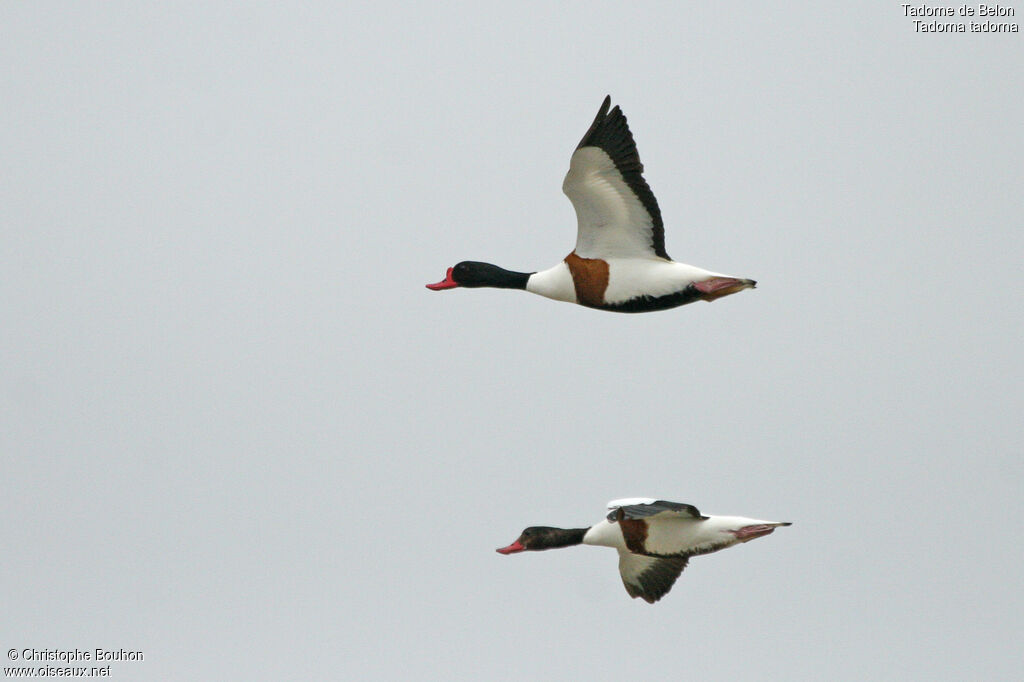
(655, 540)
(619, 262)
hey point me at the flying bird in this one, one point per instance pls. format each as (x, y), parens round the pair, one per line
(655, 540)
(619, 263)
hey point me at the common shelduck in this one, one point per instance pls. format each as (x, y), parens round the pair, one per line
(619, 262)
(655, 540)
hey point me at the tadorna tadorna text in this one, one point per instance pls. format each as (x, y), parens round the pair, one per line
(619, 262)
(655, 540)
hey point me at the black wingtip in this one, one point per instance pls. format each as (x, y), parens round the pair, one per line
(602, 113)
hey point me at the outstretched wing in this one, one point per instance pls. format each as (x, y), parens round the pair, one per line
(649, 577)
(616, 212)
(643, 507)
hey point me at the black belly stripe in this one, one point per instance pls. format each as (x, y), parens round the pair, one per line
(646, 304)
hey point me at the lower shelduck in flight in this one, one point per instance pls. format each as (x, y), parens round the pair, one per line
(655, 540)
(619, 262)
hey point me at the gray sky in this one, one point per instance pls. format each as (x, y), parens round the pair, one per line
(238, 434)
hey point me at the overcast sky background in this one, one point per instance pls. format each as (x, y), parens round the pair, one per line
(240, 436)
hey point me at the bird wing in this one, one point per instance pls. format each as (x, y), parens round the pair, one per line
(649, 577)
(616, 212)
(643, 508)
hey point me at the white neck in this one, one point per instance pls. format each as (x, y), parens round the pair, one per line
(553, 283)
